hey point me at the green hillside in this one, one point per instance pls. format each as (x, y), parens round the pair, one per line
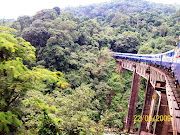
(59, 77)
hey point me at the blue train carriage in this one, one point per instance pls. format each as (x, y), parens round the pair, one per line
(137, 57)
(123, 55)
(134, 57)
(167, 59)
(142, 57)
(176, 61)
(116, 55)
(153, 59)
(158, 59)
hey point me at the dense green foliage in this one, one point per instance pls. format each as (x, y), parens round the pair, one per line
(96, 96)
(16, 78)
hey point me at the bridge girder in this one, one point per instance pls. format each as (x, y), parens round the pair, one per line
(167, 92)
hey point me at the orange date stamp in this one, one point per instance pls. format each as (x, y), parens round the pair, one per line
(152, 118)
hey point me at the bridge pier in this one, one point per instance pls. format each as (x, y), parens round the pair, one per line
(151, 113)
(119, 67)
(162, 127)
(129, 122)
(148, 107)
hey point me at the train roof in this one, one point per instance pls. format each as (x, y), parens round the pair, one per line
(132, 54)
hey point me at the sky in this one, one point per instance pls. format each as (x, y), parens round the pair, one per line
(14, 8)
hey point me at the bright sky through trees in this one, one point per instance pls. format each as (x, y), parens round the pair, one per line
(15, 8)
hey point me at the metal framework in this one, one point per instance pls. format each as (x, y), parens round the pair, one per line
(159, 83)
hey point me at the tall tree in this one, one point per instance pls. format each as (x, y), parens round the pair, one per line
(15, 77)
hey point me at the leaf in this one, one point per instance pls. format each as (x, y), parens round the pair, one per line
(17, 122)
(6, 129)
(9, 119)
(1, 126)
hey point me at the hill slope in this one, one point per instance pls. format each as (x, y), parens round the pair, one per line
(122, 6)
(78, 47)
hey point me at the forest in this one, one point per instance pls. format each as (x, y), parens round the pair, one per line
(57, 76)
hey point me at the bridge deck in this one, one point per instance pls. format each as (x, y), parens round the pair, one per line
(158, 75)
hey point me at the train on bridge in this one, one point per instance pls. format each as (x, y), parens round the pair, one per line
(169, 60)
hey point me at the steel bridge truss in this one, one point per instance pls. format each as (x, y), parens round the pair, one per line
(159, 84)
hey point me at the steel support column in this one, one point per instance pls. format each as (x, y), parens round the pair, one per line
(151, 113)
(146, 107)
(119, 67)
(118, 64)
(129, 123)
(163, 125)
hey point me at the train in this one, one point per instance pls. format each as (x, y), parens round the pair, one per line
(169, 60)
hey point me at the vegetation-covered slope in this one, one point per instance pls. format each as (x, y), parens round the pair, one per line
(123, 6)
(78, 46)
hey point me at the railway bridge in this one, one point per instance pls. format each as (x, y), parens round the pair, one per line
(161, 89)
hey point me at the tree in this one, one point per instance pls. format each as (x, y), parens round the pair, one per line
(120, 19)
(8, 121)
(46, 14)
(57, 9)
(24, 22)
(16, 78)
(48, 127)
(78, 112)
(37, 36)
(126, 42)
